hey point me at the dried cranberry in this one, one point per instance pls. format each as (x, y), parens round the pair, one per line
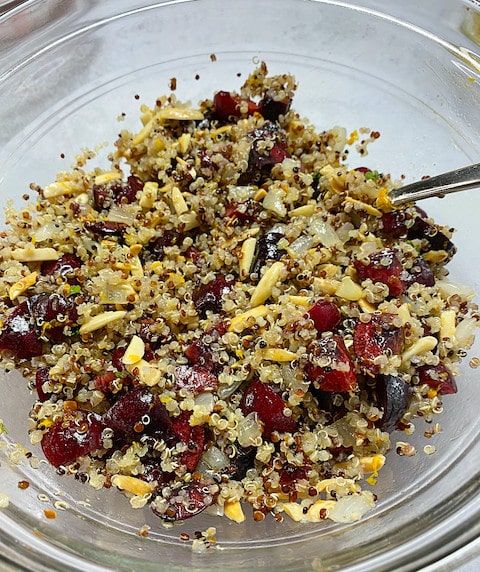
(200, 352)
(338, 373)
(152, 471)
(260, 398)
(208, 297)
(272, 108)
(330, 401)
(325, 315)
(263, 157)
(363, 169)
(117, 356)
(167, 238)
(393, 395)
(128, 192)
(435, 239)
(379, 336)
(136, 411)
(243, 460)
(63, 266)
(385, 267)
(69, 439)
(41, 315)
(118, 192)
(52, 308)
(195, 378)
(41, 377)
(19, 333)
(106, 228)
(244, 212)
(187, 501)
(105, 382)
(438, 377)
(267, 249)
(192, 436)
(290, 475)
(421, 273)
(394, 223)
(194, 255)
(226, 106)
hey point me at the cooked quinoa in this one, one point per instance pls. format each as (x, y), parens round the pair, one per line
(230, 315)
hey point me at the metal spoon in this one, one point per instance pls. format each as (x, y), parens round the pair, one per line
(438, 186)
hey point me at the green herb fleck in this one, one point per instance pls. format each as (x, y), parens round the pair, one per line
(76, 289)
(372, 175)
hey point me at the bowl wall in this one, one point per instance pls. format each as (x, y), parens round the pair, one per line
(68, 70)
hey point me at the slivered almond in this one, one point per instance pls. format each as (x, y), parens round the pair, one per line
(178, 201)
(134, 352)
(179, 114)
(318, 511)
(132, 485)
(366, 306)
(22, 285)
(107, 177)
(101, 320)
(189, 220)
(300, 300)
(304, 210)
(148, 195)
(421, 346)
(184, 142)
(294, 511)
(247, 319)
(278, 354)
(143, 133)
(246, 259)
(233, 511)
(61, 188)
(326, 285)
(363, 206)
(32, 254)
(447, 324)
(267, 283)
(349, 290)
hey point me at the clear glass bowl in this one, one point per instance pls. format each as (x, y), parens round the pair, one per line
(68, 69)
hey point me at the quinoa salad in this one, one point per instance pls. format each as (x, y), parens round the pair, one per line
(231, 317)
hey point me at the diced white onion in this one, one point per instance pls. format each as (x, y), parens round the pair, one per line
(447, 289)
(465, 332)
(248, 430)
(351, 508)
(215, 459)
(322, 232)
(300, 245)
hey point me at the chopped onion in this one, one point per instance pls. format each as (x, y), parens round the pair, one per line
(47, 231)
(300, 245)
(273, 202)
(215, 459)
(351, 508)
(248, 430)
(123, 213)
(465, 332)
(323, 233)
(447, 289)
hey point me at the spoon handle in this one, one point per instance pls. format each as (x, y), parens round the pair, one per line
(438, 186)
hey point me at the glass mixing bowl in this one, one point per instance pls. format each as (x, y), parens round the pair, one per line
(409, 70)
